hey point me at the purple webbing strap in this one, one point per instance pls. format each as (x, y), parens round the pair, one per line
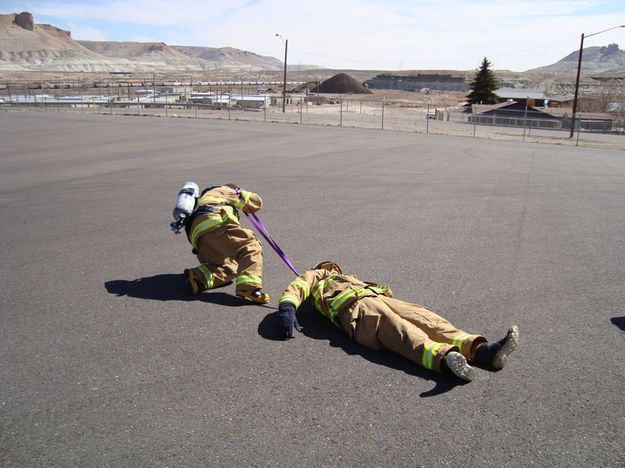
(256, 222)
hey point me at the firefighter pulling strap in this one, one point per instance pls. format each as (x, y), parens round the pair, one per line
(256, 222)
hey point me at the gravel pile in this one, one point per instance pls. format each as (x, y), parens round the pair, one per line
(341, 84)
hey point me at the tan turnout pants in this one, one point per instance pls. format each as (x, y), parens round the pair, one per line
(230, 252)
(407, 329)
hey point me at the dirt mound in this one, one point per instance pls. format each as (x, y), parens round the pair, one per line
(341, 84)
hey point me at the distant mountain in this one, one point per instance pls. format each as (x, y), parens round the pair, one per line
(228, 57)
(596, 60)
(160, 55)
(26, 46)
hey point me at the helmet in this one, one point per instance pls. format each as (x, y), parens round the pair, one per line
(210, 187)
(330, 266)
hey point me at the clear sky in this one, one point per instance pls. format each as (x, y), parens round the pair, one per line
(356, 34)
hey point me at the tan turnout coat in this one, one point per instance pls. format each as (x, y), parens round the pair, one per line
(226, 250)
(370, 315)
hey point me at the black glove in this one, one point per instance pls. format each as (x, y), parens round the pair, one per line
(287, 321)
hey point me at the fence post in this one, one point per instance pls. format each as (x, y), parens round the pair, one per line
(300, 112)
(165, 105)
(382, 113)
(525, 117)
(578, 122)
(196, 107)
(341, 114)
(427, 119)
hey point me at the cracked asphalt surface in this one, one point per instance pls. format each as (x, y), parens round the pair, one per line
(105, 362)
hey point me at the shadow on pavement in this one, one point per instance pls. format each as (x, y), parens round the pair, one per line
(619, 322)
(319, 328)
(169, 287)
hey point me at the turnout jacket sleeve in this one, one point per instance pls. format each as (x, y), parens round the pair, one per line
(249, 202)
(300, 288)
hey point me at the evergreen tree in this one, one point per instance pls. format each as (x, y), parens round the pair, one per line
(483, 86)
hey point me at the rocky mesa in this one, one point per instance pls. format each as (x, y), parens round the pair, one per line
(26, 46)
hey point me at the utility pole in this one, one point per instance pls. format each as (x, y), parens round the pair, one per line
(525, 117)
(579, 69)
(286, 47)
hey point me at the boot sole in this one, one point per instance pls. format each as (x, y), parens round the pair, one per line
(458, 366)
(501, 358)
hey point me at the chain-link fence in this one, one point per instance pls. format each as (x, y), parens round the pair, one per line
(531, 124)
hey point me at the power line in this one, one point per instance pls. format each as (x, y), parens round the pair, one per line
(536, 47)
(416, 64)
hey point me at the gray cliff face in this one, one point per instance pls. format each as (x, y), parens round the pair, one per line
(595, 60)
(25, 21)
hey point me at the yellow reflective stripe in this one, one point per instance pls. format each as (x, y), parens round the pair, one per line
(339, 300)
(429, 352)
(244, 197)
(364, 292)
(318, 291)
(229, 213)
(213, 200)
(247, 278)
(459, 340)
(318, 288)
(380, 289)
(204, 226)
(289, 298)
(303, 285)
(435, 349)
(208, 276)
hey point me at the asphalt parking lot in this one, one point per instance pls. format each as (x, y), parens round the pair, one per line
(105, 362)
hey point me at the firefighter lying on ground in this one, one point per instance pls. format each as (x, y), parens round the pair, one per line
(226, 250)
(370, 315)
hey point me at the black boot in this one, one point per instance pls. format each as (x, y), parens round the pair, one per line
(496, 354)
